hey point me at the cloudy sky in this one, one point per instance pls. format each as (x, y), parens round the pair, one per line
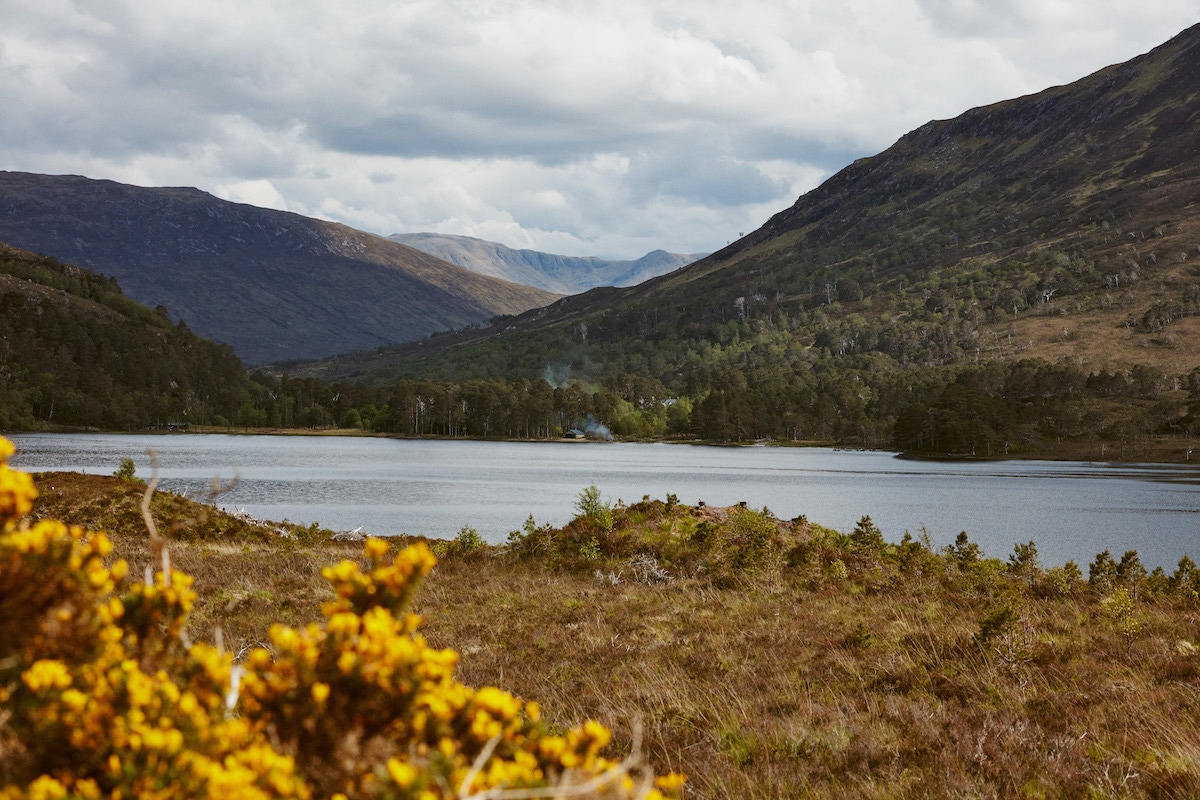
(606, 127)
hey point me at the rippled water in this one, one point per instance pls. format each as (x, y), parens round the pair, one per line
(1072, 510)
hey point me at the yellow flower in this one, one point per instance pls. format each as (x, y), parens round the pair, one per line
(193, 725)
(47, 674)
(74, 700)
(16, 488)
(375, 549)
(87, 789)
(671, 783)
(499, 702)
(46, 788)
(402, 774)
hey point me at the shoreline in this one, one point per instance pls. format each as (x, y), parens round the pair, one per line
(1162, 452)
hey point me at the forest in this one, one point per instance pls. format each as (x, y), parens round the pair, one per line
(74, 351)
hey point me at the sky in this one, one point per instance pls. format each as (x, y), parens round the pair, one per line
(605, 128)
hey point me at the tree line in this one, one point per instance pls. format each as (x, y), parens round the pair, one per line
(991, 409)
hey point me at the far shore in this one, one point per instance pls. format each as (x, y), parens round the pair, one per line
(1144, 451)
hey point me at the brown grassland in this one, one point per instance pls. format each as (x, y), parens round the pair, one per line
(763, 658)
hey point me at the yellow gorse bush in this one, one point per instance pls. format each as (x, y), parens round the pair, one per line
(100, 697)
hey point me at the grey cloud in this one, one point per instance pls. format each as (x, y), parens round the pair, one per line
(466, 134)
(519, 113)
(699, 174)
(826, 154)
(975, 17)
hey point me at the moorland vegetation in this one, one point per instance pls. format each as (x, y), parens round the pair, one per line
(761, 657)
(104, 694)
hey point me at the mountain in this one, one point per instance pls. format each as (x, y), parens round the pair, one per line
(1062, 225)
(1023, 278)
(272, 284)
(561, 274)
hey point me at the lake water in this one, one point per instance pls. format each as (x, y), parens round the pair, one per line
(1072, 510)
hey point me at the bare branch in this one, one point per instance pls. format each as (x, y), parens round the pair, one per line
(157, 542)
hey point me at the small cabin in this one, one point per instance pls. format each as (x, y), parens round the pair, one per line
(574, 433)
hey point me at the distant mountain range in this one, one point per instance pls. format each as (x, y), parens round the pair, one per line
(276, 286)
(560, 274)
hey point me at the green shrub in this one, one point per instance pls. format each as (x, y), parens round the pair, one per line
(1102, 573)
(128, 471)
(866, 540)
(592, 508)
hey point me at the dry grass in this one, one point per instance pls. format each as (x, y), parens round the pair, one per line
(790, 690)
(783, 659)
(1097, 340)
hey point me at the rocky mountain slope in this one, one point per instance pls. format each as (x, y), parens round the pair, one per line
(554, 273)
(272, 284)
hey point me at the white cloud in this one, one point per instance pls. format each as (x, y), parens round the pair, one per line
(256, 193)
(588, 129)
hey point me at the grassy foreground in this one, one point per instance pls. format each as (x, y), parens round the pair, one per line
(763, 658)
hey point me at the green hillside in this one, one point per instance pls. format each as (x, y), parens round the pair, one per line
(77, 352)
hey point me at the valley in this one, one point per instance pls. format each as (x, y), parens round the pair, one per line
(905, 475)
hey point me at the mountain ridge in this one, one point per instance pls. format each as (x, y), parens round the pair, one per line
(273, 284)
(1056, 225)
(554, 273)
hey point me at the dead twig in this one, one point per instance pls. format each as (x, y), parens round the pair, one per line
(158, 543)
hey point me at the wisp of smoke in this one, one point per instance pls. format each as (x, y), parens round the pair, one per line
(594, 428)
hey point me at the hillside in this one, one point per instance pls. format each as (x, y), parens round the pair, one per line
(1038, 250)
(1075, 204)
(271, 284)
(1073, 209)
(75, 351)
(560, 274)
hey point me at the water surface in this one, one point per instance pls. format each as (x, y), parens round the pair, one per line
(1072, 510)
